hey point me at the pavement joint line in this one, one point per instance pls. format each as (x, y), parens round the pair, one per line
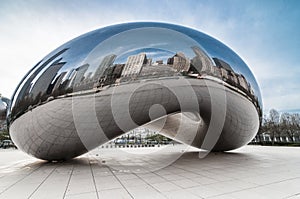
(170, 181)
(94, 181)
(197, 182)
(257, 186)
(148, 183)
(190, 171)
(81, 193)
(68, 181)
(117, 179)
(186, 169)
(20, 179)
(43, 181)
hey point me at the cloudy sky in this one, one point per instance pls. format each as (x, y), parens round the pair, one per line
(264, 33)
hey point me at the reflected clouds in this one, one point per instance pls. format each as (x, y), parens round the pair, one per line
(126, 70)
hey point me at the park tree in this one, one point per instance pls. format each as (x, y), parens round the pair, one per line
(270, 124)
(289, 124)
(295, 125)
(263, 127)
(274, 124)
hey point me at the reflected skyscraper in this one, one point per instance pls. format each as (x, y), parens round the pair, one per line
(222, 64)
(78, 75)
(204, 95)
(24, 91)
(134, 65)
(106, 62)
(179, 62)
(202, 62)
(243, 82)
(57, 83)
(44, 82)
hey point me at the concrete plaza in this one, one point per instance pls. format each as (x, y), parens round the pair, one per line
(159, 172)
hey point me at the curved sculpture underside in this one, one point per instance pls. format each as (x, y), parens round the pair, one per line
(172, 79)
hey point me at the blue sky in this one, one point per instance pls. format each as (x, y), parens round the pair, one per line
(264, 33)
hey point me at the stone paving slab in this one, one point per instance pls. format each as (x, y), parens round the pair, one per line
(167, 172)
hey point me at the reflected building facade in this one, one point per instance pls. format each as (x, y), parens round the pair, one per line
(202, 62)
(179, 62)
(105, 63)
(44, 85)
(134, 65)
(88, 104)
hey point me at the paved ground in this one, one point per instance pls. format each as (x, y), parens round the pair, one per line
(165, 172)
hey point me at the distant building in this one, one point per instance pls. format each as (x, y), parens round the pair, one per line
(224, 73)
(58, 82)
(70, 78)
(118, 70)
(37, 69)
(243, 82)
(44, 82)
(179, 62)
(202, 61)
(149, 62)
(134, 65)
(222, 64)
(107, 77)
(106, 62)
(251, 90)
(159, 62)
(110, 75)
(233, 77)
(78, 75)
(89, 76)
(157, 71)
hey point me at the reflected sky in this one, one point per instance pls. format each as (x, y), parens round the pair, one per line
(92, 42)
(158, 40)
(139, 65)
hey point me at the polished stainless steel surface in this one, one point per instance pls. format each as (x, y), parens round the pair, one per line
(4, 103)
(173, 79)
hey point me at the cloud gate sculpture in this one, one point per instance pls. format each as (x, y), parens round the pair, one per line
(175, 80)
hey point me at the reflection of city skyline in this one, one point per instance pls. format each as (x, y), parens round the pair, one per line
(137, 67)
(152, 53)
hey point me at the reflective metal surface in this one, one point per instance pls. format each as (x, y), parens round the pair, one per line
(173, 79)
(4, 103)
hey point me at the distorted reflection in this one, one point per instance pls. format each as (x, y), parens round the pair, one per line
(52, 84)
(124, 56)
